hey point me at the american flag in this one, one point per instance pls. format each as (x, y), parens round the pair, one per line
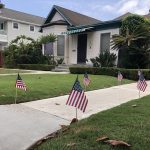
(120, 76)
(77, 97)
(141, 85)
(20, 84)
(86, 80)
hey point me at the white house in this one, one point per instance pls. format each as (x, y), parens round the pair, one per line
(79, 37)
(14, 23)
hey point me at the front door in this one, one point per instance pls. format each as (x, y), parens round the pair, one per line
(82, 47)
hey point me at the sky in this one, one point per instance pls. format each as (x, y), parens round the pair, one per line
(99, 9)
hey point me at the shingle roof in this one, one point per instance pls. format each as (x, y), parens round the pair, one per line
(73, 18)
(128, 14)
(147, 16)
(20, 16)
(123, 16)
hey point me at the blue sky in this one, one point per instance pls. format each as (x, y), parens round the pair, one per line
(100, 9)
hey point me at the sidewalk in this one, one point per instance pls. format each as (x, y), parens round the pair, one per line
(21, 125)
(99, 100)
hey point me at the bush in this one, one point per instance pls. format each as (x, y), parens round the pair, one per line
(127, 73)
(104, 59)
(36, 67)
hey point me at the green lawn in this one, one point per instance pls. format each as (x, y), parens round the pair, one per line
(9, 71)
(127, 123)
(48, 85)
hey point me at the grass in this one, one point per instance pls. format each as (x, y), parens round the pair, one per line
(9, 71)
(127, 123)
(47, 85)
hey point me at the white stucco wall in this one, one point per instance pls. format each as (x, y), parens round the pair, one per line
(56, 17)
(57, 30)
(24, 29)
(93, 45)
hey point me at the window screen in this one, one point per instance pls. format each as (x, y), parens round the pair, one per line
(105, 42)
(48, 49)
(60, 45)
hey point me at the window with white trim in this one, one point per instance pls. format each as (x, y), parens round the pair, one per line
(15, 25)
(31, 28)
(105, 42)
(60, 45)
(1, 26)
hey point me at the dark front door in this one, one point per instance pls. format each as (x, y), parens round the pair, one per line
(82, 46)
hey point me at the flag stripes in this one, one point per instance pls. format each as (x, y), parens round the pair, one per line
(86, 80)
(20, 84)
(141, 84)
(77, 97)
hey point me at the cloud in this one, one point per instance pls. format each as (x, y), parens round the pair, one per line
(140, 7)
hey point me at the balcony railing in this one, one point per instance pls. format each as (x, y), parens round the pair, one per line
(3, 36)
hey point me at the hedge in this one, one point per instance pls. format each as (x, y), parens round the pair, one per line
(42, 67)
(127, 73)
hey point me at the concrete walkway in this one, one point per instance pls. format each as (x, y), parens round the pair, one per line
(35, 72)
(23, 124)
(99, 100)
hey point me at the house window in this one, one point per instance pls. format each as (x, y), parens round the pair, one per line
(15, 25)
(1, 26)
(31, 28)
(105, 42)
(60, 45)
(48, 49)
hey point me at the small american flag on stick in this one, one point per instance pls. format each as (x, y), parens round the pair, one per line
(86, 79)
(141, 84)
(120, 76)
(77, 97)
(20, 84)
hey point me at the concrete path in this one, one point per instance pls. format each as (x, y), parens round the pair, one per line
(23, 124)
(35, 72)
(99, 100)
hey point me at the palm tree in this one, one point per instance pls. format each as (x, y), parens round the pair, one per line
(135, 41)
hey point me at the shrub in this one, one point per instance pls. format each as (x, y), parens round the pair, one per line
(36, 67)
(105, 59)
(127, 73)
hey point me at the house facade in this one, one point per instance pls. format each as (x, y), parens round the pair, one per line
(14, 23)
(79, 37)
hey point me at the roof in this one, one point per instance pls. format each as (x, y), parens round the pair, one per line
(123, 16)
(147, 16)
(73, 18)
(128, 14)
(20, 16)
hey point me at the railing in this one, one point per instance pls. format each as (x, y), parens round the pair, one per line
(3, 32)
(3, 36)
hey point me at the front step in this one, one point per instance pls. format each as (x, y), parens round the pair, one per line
(61, 68)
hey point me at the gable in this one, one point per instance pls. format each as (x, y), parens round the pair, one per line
(57, 17)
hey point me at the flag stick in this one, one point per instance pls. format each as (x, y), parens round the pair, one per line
(76, 113)
(139, 94)
(16, 96)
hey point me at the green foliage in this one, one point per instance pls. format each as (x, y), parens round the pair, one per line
(23, 50)
(36, 67)
(131, 23)
(48, 38)
(134, 41)
(125, 123)
(127, 73)
(41, 86)
(105, 59)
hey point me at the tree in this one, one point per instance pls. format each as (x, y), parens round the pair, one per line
(50, 38)
(23, 50)
(133, 42)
